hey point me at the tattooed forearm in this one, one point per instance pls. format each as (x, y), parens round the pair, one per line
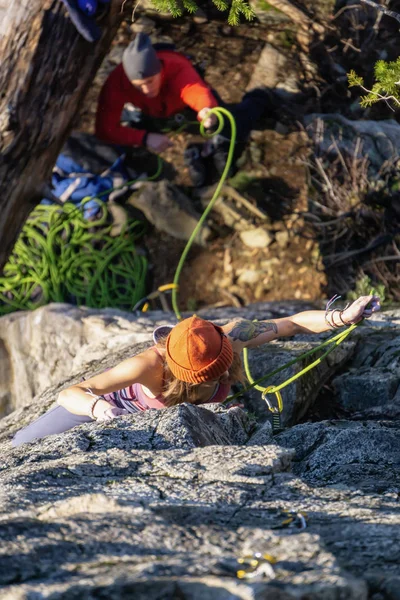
(245, 330)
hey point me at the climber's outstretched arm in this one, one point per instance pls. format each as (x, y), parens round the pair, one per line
(247, 334)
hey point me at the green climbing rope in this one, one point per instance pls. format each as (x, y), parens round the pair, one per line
(220, 113)
(61, 257)
(333, 341)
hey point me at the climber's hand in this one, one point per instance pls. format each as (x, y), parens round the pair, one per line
(104, 411)
(362, 308)
(208, 119)
(158, 142)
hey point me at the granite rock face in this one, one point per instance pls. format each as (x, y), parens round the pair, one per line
(371, 386)
(369, 453)
(168, 504)
(146, 505)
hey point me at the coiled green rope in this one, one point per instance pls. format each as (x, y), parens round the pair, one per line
(61, 257)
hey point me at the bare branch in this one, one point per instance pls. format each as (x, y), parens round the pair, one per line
(389, 13)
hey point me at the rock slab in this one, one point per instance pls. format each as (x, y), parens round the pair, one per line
(168, 504)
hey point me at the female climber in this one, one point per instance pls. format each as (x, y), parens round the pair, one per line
(196, 362)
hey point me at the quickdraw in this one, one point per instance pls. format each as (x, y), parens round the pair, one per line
(256, 566)
(293, 520)
(276, 410)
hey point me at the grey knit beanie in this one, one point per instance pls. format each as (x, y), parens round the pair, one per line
(140, 59)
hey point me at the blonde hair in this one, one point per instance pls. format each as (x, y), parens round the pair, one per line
(176, 391)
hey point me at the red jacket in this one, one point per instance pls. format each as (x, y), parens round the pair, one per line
(181, 86)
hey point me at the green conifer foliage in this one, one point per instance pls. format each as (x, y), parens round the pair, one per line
(236, 8)
(386, 86)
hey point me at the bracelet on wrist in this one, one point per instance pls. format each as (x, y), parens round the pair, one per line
(329, 311)
(93, 403)
(336, 325)
(327, 320)
(91, 408)
(341, 318)
(331, 322)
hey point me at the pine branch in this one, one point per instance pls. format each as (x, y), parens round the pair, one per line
(222, 5)
(372, 96)
(385, 88)
(190, 6)
(236, 8)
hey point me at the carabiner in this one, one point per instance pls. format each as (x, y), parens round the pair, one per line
(272, 390)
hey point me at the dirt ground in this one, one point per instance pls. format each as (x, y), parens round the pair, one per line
(226, 271)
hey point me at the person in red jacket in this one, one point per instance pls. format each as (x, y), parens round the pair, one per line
(149, 90)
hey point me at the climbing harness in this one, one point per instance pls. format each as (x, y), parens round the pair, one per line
(256, 566)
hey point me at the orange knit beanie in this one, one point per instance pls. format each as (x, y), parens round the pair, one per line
(198, 351)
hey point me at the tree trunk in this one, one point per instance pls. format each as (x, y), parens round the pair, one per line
(46, 68)
(295, 14)
(308, 28)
